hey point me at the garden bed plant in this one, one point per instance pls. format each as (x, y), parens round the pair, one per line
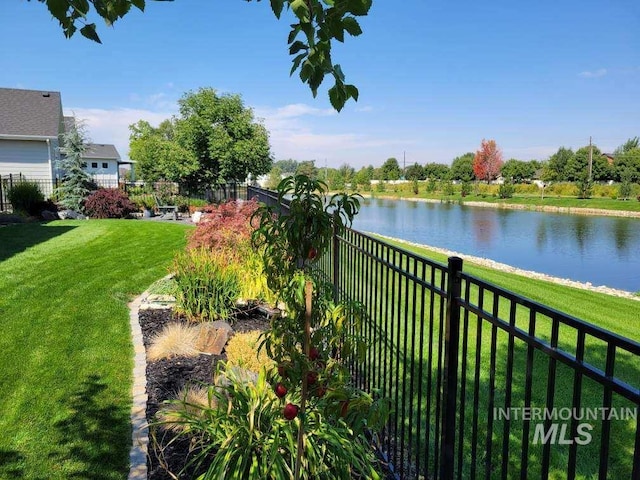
(297, 415)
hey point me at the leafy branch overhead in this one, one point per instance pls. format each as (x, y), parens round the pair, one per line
(318, 23)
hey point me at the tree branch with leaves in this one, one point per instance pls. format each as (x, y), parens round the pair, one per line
(318, 24)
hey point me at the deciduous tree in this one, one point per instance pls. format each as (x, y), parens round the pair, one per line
(222, 134)
(157, 153)
(462, 168)
(315, 26)
(390, 170)
(415, 172)
(517, 170)
(437, 171)
(554, 170)
(487, 161)
(307, 168)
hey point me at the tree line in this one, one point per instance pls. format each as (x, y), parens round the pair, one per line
(623, 165)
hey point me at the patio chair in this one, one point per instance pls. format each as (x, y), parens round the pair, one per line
(166, 209)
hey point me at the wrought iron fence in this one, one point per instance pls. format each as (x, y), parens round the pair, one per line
(485, 383)
(46, 185)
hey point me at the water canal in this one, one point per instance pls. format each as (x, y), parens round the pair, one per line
(596, 249)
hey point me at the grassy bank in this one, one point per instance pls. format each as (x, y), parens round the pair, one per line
(620, 315)
(526, 196)
(65, 349)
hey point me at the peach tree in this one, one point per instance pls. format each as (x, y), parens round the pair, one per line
(313, 336)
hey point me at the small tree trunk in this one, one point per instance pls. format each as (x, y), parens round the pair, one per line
(308, 294)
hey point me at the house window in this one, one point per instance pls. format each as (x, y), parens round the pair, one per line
(94, 164)
(84, 164)
(105, 165)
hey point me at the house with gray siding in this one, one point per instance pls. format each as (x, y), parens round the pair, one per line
(31, 126)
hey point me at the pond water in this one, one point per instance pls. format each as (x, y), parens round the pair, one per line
(600, 250)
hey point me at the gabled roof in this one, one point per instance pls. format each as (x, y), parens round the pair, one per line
(100, 150)
(32, 113)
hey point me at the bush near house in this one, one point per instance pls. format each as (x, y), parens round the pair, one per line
(109, 203)
(26, 197)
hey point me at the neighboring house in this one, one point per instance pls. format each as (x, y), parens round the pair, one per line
(31, 122)
(102, 162)
(31, 128)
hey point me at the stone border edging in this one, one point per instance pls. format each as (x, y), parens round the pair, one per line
(139, 427)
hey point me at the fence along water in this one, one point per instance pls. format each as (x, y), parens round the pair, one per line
(485, 383)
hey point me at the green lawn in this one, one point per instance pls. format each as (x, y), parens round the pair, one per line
(65, 351)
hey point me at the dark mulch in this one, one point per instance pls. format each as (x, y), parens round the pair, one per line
(166, 377)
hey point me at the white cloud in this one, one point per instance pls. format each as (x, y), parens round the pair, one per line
(112, 125)
(299, 131)
(593, 74)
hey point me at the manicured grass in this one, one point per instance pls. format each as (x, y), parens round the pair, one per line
(65, 349)
(619, 315)
(532, 200)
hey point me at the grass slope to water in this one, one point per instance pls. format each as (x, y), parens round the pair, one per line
(65, 349)
(631, 205)
(619, 315)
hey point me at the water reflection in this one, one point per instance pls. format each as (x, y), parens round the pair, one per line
(589, 249)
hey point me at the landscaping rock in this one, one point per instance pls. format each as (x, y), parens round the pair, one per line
(70, 215)
(212, 340)
(49, 215)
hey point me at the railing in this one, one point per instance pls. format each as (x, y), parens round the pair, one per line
(485, 383)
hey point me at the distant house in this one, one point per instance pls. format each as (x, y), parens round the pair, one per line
(31, 128)
(102, 162)
(610, 157)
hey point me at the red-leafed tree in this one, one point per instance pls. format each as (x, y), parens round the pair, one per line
(488, 161)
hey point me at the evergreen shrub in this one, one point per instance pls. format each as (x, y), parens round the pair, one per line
(26, 197)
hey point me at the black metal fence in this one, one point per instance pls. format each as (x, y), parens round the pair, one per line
(485, 383)
(46, 185)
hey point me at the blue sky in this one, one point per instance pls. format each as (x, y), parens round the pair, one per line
(435, 76)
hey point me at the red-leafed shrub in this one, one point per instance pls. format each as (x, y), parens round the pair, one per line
(109, 203)
(226, 226)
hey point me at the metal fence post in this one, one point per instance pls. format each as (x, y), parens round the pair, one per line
(335, 250)
(449, 398)
(1, 196)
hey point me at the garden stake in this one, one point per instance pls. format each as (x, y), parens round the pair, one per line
(308, 293)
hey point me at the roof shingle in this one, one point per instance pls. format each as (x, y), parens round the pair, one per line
(30, 112)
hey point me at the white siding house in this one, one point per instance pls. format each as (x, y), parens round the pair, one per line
(102, 162)
(31, 126)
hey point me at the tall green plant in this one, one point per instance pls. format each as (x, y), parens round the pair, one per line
(314, 333)
(207, 285)
(77, 184)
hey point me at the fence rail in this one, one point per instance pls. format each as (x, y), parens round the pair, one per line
(485, 383)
